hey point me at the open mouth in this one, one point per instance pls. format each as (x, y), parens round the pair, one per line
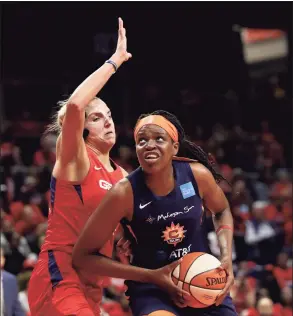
(151, 156)
(109, 133)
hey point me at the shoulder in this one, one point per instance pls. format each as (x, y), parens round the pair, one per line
(124, 172)
(120, 197)
(203, 176)
(122, 189)
(200, 172)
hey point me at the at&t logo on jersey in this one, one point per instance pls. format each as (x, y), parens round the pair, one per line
(105, 185)
(181, 252)
(174, 234)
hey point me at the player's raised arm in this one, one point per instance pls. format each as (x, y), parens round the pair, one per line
(72, 120)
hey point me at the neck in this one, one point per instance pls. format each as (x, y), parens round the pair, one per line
(104, 157)
(161, 183)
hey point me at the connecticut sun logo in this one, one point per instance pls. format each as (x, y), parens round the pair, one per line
(174, 234)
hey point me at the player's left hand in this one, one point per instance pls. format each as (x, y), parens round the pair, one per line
(121, 49)
(226, 266)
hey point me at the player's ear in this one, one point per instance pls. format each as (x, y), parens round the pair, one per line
(175, 148)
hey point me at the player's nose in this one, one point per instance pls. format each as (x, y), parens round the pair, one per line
(151, 144)
(107, 122)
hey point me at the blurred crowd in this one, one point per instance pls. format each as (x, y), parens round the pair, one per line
(258, 186)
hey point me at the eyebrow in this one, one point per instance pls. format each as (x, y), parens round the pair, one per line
(157, 133)
(96, 113)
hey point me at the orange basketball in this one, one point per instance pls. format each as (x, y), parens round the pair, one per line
(198, 275)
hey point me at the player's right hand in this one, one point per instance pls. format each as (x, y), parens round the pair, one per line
(121, 49)
(162, 278)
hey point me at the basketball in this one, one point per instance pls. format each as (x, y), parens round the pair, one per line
(198, 275)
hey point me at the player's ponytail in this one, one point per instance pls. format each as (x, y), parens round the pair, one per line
(187, 148)
(57, 118)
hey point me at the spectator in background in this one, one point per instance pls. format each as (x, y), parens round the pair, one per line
(286, 296)
(26, 217)
(240, 215)
(249, 305)
(240, 194)
(282, 188)
(259, 235)
(46, 155)
(227, 173)
(15, 247)
(10, 156)
(23, 280)
(265, 307)
(282, 272)
(243, 291)
(214, 246)
(10, 305)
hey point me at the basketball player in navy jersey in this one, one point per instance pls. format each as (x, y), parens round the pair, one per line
(161, 204)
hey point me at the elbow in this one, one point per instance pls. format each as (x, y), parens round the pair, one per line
(74, 105)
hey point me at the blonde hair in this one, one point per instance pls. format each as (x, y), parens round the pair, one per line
(57, 118)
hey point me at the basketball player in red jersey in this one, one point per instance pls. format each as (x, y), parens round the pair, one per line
(82, 175)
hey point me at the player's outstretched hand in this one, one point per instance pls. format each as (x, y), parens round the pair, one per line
(121, 52)
(162, 278)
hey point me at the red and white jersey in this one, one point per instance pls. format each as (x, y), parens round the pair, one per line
(72, 203)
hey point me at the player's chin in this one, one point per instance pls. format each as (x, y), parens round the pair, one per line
(110, 142)
(151, 168)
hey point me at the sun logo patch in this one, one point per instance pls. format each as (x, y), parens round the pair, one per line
(174, 234)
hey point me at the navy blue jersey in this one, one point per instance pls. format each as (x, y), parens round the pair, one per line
(166, 227)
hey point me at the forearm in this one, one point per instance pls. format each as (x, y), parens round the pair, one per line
(225, 236)
(105, 266)
(93, 84)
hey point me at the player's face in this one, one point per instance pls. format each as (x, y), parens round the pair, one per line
(100, 124)
(154, 148)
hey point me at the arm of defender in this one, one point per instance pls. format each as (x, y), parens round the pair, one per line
(72, 142)
(73, 123)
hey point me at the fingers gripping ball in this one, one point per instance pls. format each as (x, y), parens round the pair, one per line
(199, 275)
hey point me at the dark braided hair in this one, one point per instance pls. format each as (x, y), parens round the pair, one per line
(187, 148)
